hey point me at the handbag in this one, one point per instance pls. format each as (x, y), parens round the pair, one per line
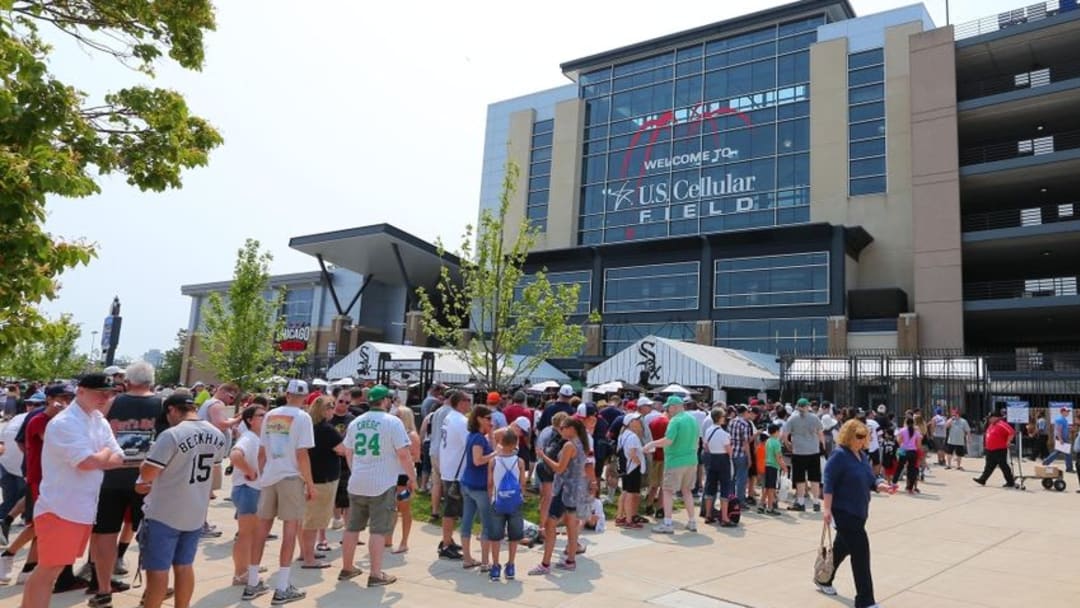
(824, 567)
(453, 491)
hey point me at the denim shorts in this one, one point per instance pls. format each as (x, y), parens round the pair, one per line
(510, 526)
(245, 499)
(161, 547)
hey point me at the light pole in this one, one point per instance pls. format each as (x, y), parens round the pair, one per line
(93, 341)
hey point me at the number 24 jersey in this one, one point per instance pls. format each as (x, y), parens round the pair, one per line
(373, 440)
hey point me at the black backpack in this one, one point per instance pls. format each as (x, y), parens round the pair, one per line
(734, 509)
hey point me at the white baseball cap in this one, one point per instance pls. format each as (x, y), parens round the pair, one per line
(566, 391)
(881, 408)
(297, 387)
(644, 402)
(112, 370)
(632, 416)
(523, 423)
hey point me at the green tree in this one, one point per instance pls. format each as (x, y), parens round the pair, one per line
(494, 310)
(172, 360)
(54, 138)
(51, 356)
(240, 329)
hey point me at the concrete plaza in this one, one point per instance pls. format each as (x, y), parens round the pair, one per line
(955, 545)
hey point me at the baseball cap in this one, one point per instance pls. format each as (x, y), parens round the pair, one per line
(741, 409)
(802, 403)
(112, 370)
(1064, 409)
(522, 422)
(588, 409)
(96, 382)
(628, 418)
(881, 408)
(377, 393)
(755, 402)
(566, 391)
(38, 397)
(631, 405)
(297, 387)
(493, 398)
(178, 398)
(59, 389)
(995, 413)
(673, 400)
(644, 402)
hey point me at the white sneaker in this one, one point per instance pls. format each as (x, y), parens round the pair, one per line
(7, 564)
(338, 523)
(827, 589)
(21, 579)
(691, 526)
(662, 528)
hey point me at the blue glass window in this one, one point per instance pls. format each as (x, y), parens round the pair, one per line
(536, 201)
(802, 336)
(620, 336)
(296, 306)
(581, 278)
(652, 288)
(866, 117)
(778, 280)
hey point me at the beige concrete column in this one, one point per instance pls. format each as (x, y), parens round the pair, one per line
(938, 294)
(518, 149)
(907, 333)
(565, 194)
(339, 333)
(414, 330)
(594, 342)
(838, 335)
(703, 333)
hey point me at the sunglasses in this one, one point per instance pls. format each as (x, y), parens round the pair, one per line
(860, 435)
(343, 401)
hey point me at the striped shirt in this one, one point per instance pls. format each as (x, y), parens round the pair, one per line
(374, 438)
(741, 433)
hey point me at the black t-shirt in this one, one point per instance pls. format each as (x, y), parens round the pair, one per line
(133, 420)
(554, 407)
(340, 423)
(325, 463)
(358, 409)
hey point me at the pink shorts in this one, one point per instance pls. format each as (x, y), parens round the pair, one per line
(60, 542)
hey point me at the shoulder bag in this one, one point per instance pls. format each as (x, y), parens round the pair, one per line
(824, 567)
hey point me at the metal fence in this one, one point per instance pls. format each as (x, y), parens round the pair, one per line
(1009, 18)
(1044, 144)
(972, 382)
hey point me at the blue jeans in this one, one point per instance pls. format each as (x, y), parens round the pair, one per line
(1053, 456)
(13, 488)
(742, 472)
(475, 503)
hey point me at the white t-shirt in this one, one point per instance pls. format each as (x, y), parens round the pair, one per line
(706, 425)
(285, 430)
(374, 438)
(71, 437)
(700, 417)
(12, 458)
(249, 445)
(454, 436)
(630, 443)
(597, 508)
(875, 428)
(505, 465)
(939, 425)
(717, 440)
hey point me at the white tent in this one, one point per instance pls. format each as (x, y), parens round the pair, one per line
(672, 361)
(363, 363)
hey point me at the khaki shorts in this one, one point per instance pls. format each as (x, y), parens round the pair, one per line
(677, 478)
(378, 511)
(285, 500)
(320, 510)
(655, 474)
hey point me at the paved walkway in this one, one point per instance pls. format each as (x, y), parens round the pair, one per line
(956, 545)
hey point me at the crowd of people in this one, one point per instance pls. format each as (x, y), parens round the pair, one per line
(123, 461)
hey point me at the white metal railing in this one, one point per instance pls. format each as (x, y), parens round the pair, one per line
(1007, 19)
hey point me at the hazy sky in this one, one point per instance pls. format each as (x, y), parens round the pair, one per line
(335, 116)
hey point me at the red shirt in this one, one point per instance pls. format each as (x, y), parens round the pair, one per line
(999, 436)
(515, 411)
(658, 428)
(35, 442)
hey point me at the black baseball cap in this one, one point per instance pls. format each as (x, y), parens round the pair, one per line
(97, 382)
(59, 389)
(178, 399)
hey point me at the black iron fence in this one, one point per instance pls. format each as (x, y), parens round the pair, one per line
(1041, 77)
(1020, 217)
(975, 383)
(1048, 287)
(1036, 146)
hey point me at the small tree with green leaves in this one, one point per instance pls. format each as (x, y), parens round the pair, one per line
(240, 329)
(173, 360)
(495, 310)
(52, 355)
(55, 139)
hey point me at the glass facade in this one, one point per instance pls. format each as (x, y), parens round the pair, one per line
(706, 138)
(652, 288)
(296, 306)
(536, 203)
(617, 337)
(581, 278)
(866, 122)
(775, 336)
(776, 280)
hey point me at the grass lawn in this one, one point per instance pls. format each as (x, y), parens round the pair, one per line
(421, 508)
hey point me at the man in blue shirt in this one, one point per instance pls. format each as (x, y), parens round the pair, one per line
(1061, 436)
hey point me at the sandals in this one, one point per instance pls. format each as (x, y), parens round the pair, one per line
(400, 550)
(323, 546)
(469, 565)
(316, 566)
(346, 575)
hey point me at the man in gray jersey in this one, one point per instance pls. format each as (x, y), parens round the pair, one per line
(804, 435)
(178, 472)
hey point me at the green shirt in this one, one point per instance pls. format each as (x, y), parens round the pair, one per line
(773, 453)
(682, 430)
